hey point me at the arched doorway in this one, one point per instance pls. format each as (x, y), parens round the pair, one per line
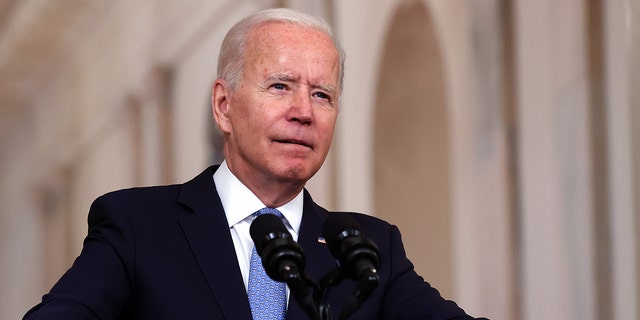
(411, 144)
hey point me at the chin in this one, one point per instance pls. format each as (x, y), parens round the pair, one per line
(298, 173)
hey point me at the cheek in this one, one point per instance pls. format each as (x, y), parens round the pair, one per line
(251, 123)
(327, 126)
(240, 114)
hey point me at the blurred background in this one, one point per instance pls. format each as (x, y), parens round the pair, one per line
(502, 136)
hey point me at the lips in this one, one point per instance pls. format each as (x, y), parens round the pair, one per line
(295, 141)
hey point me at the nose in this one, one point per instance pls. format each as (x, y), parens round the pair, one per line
(301, 109)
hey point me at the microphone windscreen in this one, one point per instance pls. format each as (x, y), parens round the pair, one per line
(338, 222)
(263, 225)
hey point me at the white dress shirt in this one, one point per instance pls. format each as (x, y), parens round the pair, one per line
(239, 204)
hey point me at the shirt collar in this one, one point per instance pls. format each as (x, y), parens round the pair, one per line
(239, 202)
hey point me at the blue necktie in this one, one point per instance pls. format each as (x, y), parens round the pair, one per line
(266, 296)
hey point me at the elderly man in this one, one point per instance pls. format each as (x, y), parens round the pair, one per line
(185, 252)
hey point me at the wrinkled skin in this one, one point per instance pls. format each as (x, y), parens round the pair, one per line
(278, 122)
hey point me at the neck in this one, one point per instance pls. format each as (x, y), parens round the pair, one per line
(271, 192)
(276, 199)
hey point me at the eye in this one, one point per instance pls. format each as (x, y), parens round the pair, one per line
(322, 95)
(279, 86)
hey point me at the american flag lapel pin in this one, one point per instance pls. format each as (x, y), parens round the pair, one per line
(321, 240)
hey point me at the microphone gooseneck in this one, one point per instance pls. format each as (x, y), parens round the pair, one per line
(357, 258)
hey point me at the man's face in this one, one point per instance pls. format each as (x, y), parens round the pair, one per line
(279, 120)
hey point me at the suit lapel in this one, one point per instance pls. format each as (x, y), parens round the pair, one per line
(207, 231)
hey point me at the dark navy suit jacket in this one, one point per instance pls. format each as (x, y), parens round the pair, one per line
(166, 253)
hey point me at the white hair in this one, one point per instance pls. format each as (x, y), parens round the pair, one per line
(232, 52)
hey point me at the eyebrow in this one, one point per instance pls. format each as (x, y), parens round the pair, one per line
(282, 77)
(328, 88)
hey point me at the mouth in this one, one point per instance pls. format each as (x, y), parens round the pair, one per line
(295, 142)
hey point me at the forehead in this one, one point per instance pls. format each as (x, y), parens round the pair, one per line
(281, 43)
(286, 31)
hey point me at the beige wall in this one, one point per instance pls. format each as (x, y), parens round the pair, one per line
(557, 242)
(121, 98)
(623, 115)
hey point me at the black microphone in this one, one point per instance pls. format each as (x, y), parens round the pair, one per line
(358, 255)
(358, 258)
(283, 259)
(281, 255)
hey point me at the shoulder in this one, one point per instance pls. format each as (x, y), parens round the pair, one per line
(159, 195)
(134, 204)
(366, 220)
(156, 195)
(374, 227)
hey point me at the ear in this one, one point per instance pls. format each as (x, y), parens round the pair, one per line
(220, 104)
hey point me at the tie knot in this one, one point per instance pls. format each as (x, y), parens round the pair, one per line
(272, 211)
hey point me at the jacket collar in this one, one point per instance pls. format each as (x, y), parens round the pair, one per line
(207, 231)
